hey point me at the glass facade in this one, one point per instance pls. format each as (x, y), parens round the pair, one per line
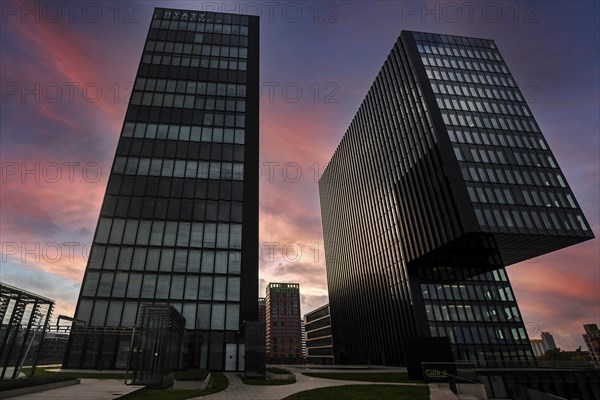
(512, 177)
(179, 220)
(442, 179)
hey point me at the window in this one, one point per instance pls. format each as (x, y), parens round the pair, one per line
(217, 316)
(134, 286)
(232, 317)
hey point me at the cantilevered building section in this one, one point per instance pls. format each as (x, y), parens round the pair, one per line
(179, 220)
(442, 180)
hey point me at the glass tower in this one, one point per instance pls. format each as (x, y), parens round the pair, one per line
(442, 180)
(179, 220)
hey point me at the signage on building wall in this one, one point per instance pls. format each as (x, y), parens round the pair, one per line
(436, 374)
(181, 15)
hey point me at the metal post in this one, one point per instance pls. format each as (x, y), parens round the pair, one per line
(129, 355)
(46, 327)
(19, 366)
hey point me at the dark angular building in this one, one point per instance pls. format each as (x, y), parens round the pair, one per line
(592, 341)
(441, 181)
(179, 220)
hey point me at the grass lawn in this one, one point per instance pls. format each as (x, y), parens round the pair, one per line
(364, 392)
(219, 382)
(392, 377)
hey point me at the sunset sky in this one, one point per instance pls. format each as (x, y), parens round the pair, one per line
(67, 70)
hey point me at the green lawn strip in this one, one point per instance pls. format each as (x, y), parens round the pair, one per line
(219, 382)
(391, 377)
(266, 382)
(9, 384)
(364, 392)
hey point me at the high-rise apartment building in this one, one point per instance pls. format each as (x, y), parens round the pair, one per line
(284, 334)
(262, 309)
(179, 220)
(592, 341)
(442, 180)
(319, 341)
(538, 347)
(548, 341)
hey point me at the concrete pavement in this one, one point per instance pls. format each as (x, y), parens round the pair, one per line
(237, 390)
(88, 389)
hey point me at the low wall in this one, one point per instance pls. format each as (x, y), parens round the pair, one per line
(192, 385)
(280, 377)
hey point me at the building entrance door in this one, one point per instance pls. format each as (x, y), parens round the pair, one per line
(230, 356)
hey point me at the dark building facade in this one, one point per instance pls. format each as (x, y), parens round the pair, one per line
(283, 331)
(179, 220)
(548, 341)
(319, 339)
(592, 341)
(442, 180)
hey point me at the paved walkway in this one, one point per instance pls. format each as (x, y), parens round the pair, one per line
(237, 390)
(88, 389)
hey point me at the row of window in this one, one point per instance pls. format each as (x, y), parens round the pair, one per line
(187, 101)
(467, 291)
(168, 233)
(507, 175)
(465, 63)
(205, 118)
(499, 155)
(196, 49)
(197, 62)
(480, 334)
(318, 333)
(161, 286)
(319, 342)
(481, 105)
(541, 219)
(186, 209)
(320, 352)
(471, 90)
(317, 314)
(202, 26)
(216, 316)
(471, 312)
(532, 197)
(506, 139)
(480, 120)
(441, 273)
(189, 37)
(190, 87)
(470, 77)
(460, 49)
(207, 134)
(325, 322)
(178, 168)
(125, 258)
